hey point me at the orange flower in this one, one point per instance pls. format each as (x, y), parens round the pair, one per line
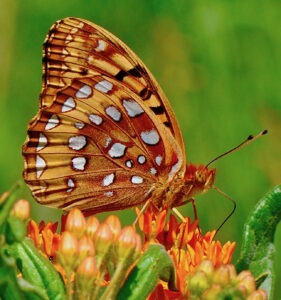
(45, 237)
(87, 251)
(186, 245)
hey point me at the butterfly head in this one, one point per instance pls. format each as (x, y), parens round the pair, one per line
(199, 178)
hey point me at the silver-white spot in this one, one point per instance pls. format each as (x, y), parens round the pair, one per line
(108, 194)
(108, 180)
(95, 119)
(68, 38)
(91, 59)
(153, 171)
(68, 104)
(70, 184)
(129, 163)
(107, 142)
(77, 142)
(150, 137)
(158, 160)
(174, 170)
(104, 86)
(73, 30)
(132, 107)
(117, 150)
(136, 179)
(40, 165)
(141, 159)
(79, 163)
(52, 122)
(101, 46)
(84, 92)
(79, 125)
(65, 52)
(42, 142)
(42, 187)
(113, 113)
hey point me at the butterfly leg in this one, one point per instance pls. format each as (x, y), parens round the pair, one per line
(180, 216)
(142, 211)
(194, 208)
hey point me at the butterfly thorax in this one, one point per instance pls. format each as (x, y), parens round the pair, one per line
(195, 180)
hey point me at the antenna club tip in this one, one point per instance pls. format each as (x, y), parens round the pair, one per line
(264, 132)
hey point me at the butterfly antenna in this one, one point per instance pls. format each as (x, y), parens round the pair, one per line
(251, 138)
(233, 209)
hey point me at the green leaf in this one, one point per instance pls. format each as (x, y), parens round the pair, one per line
(38, 271)
(258, 250)
(155, 264)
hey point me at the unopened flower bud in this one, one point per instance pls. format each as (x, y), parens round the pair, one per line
(68, 248)
(126, 243)
(92, 224)
(76, 222)
(21, 209)
(258, 295)
(88, 267)
(85, 247)
(103, 241)
(114, 223)
(246, 282)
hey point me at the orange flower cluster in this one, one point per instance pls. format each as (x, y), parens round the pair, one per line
(186, 244)
(85, 248)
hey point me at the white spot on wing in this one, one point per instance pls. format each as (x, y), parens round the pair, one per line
(95, 119)
(79, 125)
(79, 163)
(107, 142)
(153, 171)
(136, 179)
(70, 184)
(158, 160)
(65, 52)
(77, 142)
(108, 180)
(108, 194)
(174, 170)
(133, 108)
(68, 38)
(150, 137)
(129, 163)
(141, 159)
(84, 92)
(101, 46)
(40, 165)
(42, 142)
(113, 113)
(117, 150)
(68, 104)
(73, 30)
(104, 86)
(52, 122)
(91, 59)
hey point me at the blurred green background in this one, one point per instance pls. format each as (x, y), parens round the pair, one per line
(219, 63)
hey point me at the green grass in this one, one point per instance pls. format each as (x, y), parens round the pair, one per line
(218, 62)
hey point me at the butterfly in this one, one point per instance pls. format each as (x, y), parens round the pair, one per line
(105, 136)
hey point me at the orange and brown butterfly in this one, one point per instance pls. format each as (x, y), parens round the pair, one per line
(105, 137)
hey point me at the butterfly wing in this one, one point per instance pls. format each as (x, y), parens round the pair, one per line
(98, 141)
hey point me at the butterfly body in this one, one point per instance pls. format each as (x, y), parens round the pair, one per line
(105, 137)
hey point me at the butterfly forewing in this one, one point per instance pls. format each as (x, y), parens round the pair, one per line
(76, 47)
(105, 134)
